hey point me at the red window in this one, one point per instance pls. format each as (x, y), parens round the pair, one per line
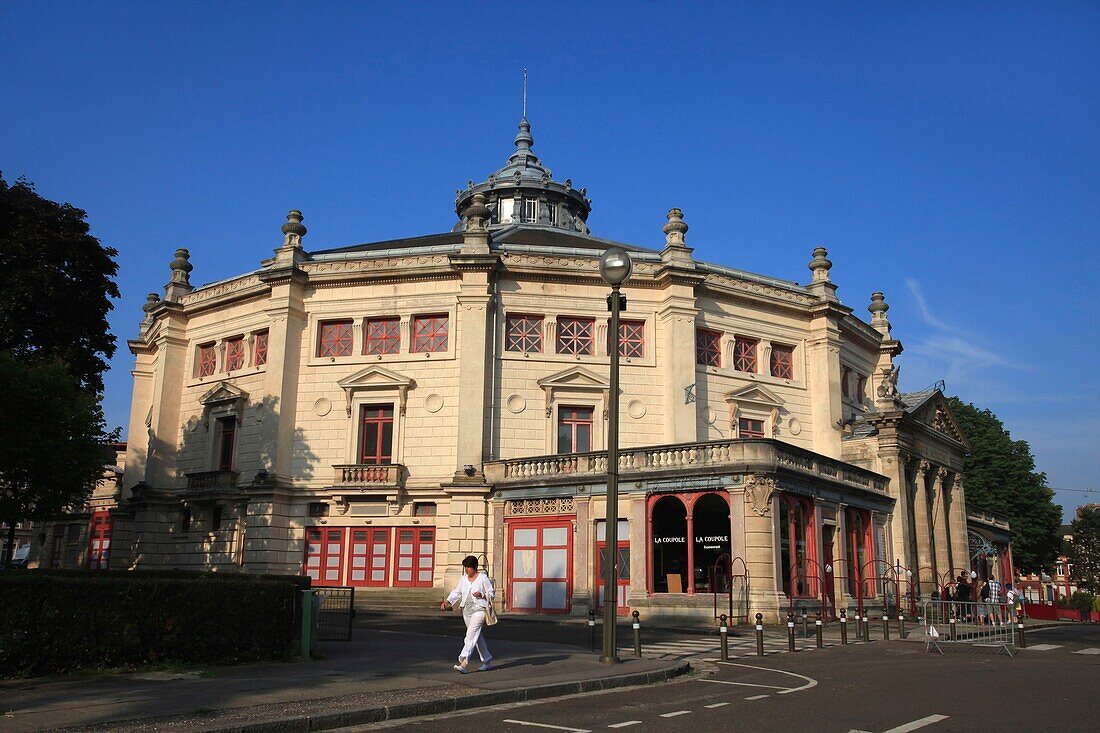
(430, 333)
(208, 360)
(234, 354)
(744, 354)
(227, 435)
(259, 349)
(383, 336)
(576, 336)
(861, 550)
(335, 339)
(797, 547)
(540, 567)
(524, 334)
(99, 540)
(782, 362)
(324, 561)
(708, 347)
(574, 429)
(861, 386)
(415, 557)
(376, 434)
(845, 377)
(369, 557)
(632, 338)
(749, 428)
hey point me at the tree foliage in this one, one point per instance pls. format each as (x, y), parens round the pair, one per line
(56, 285)
(1085, 548)
(1001, 477)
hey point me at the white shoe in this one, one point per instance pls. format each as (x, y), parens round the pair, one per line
(460, 668)
(486, 666)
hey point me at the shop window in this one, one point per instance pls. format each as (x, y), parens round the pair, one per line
(632, 339)
(227, 436)
(574, 429)
(782, 362)
(708, 347)
(689, 535)
(376, 434)
(797, 544)
(860, 553)
(234, 354)
(749, 428)
(207, 360)
(576, 336)
(259, 349)
(523, 334)
(744, 354)
(383, 336)
(334, 339)
(430, 333)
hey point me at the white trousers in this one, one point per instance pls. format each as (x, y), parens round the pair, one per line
(475, 620)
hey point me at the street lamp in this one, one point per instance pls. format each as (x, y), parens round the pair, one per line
(615, 268)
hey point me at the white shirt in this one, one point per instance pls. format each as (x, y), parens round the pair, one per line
(465, 589)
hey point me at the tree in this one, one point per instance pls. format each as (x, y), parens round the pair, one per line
(51, 441)
(1085, 548)
(56, 285)
(1001, 477)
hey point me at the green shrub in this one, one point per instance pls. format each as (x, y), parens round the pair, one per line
(1082, 601)
(60, 621)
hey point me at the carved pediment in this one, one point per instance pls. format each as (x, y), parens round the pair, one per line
(755, 396)
(223, 396)
(375, 378)
(936, 414)
(573, 379)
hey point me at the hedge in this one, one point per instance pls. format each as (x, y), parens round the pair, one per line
(60, 621)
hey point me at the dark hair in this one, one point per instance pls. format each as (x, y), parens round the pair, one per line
(469, 561)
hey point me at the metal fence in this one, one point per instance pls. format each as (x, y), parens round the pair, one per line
(974, 624)
(334, 610)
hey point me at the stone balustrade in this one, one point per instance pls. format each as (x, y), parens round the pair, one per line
(205, 481)
(355, 475)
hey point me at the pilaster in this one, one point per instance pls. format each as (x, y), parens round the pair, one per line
(925, 569)
(939, 523)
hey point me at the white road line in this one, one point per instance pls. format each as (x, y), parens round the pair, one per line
(744, 684)
(624, 724)
(1044, 647)
(914, 725)
(1092, 650)
(757, 697)
(673, 715)
(717, 705)
(545, 725)
(810, 681)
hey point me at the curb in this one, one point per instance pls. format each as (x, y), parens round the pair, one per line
(328, 721)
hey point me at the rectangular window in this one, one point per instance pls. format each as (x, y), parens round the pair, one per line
(632, 339)
(552, 213)
(227, 434)
(207, 360)
(749, 428)
(216, 519)
(259, 349)
(576, 336)
(424, 509)
(861, 553)
(99, 540)
(708, 347)
(845, 377)
(530, 210)
(376, 434)
(861, 388)
(744, 354)
(574, 429)
(383, 336)
(334, 339)
(318, 509)
(797, 543)
(430, 333)
(523, 334)
(234, 354)
(782, 362)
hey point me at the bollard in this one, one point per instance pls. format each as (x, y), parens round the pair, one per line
(723, 635)
(866, 627)
(759, 634)
(843, 627)
(790, 631)
(1020, 628)
(885, 627)
(805, 625)
(591, 629)
(637, 634)
(901, 625)
(819, 630)
(307, 623)
(954, 633)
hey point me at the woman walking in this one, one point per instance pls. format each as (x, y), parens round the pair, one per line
(474, 593)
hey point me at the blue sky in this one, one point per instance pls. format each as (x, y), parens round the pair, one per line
(945, 156)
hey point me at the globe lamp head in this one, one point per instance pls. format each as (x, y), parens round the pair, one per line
(615, 266)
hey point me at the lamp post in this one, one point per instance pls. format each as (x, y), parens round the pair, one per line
(615, 268)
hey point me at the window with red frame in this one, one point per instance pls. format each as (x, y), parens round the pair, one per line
(632, 339)
(576, 336)
(383, 336)
(797, 546)
(207, 361)
(234, 354)
(334, 339)
(99, 540)
(782, 362)
(523, 334)
(574, 429)
(708, 347)
(376, 434)
(744, 354)
(259, 349)
(749, 428)
(227, 436)
(861, 550)
(430, 333)
(845, 377)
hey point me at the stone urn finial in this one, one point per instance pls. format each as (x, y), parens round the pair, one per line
(675, 229)
(293, 230)
(878, 308)
(820, 265)
(477, 213)
(180, 282)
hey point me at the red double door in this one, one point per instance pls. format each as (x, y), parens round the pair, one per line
(540, 578)
(369, 557)
(99, 540)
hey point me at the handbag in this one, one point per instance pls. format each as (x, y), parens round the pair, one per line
(490, 612)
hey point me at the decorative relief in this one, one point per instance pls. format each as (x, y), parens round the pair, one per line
(381, 263)
(224, 289)
(636, 409)
(516, 404)
(531, 507)
(759, 490)
(760, 289)
(433, 403)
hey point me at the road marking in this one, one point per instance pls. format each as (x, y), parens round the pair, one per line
(625, 724)
(716, 705)
(744, 684)
(1092, 650)
(810, 681)
(673, 715)
(757, 697)
(914, 725)
(1044, 647)
(545, 725)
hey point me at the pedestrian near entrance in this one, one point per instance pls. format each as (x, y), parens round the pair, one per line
(963, 596)
(473, 594)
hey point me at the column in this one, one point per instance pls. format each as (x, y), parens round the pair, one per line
(924, 569)
(939, 524)
(960, 542)
(823, 376)
(678, 341)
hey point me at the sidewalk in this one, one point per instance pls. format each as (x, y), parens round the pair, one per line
(379, 675)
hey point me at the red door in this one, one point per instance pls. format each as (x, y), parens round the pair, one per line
(415, 558)
(324, 561)
(540, 567)
(369, 557)
(99, 540)
(622, 570)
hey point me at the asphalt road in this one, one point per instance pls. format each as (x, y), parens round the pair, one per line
(892, 687)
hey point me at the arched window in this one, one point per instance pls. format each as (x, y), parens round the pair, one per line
(861, 553)
(689, 533)
(798, 547)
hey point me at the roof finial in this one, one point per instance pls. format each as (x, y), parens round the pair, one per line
(525, 92)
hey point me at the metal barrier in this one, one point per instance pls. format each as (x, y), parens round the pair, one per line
(975, 624)
(334, 609)
(733, 585)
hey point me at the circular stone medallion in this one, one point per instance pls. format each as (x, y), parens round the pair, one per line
(516, 404)
(434, 403)
(322, 406)
(794, 427)
(709, 416)
(636, 409)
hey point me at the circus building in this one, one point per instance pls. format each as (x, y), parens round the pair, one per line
(370, 414)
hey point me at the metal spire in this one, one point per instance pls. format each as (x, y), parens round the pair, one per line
(525, 92)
